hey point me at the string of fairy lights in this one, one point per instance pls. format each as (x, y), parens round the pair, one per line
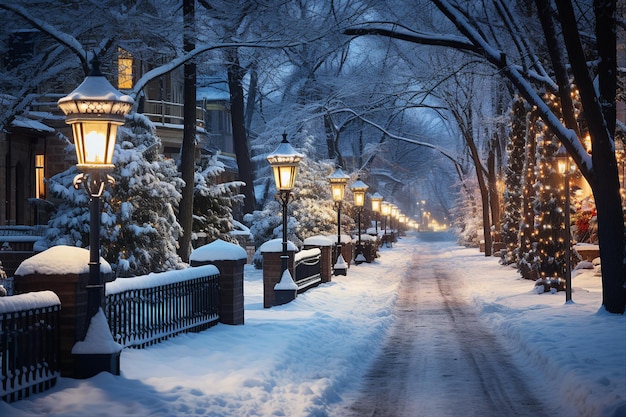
(541, 238)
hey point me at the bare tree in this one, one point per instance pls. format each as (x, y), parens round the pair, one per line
(518, 65)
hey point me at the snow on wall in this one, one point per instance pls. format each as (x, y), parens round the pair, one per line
(28, 301)
(276, 245)
(319, 240)
(157, 279)
(60, 260)
(218, 250)
(344, 238)
(307, 253)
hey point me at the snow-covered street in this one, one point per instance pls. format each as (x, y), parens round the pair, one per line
(311, 357)
(440, 359)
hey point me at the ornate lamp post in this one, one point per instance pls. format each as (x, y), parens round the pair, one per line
(564, 169)
(95, 110)
(377, 201)
(358, 189)
(385, 209)
(393, 215)
(338, 181)
(284, 161)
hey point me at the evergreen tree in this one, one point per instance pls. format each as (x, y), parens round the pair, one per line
(549, 203)
(213, 201)
(528, 259)
(513, 194)
(139, 230)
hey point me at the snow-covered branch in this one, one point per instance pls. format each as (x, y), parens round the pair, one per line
(60, 36)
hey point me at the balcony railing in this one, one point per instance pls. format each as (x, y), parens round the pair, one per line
(168, 113)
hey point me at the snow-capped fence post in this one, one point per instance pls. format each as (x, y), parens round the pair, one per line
(64, 270)
(369, 248)
(325, 244)
(230, 260)
(272, 267)
(347, 249)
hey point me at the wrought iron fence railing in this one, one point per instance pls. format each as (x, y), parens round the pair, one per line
(29, 344)
(307, 269)
(158, 306)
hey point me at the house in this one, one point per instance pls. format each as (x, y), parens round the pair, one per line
(32, 150)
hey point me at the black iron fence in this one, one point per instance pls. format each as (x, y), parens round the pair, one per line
(29, 344)
(150, 313)
(307, 269)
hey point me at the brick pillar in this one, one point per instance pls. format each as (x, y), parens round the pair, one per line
(230, 309)
(346, 251)
(70, 288)
(326, 263)
(326, 260)
(231, 300)
(271, 274)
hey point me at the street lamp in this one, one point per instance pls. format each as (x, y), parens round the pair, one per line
(393, 215)
(385, 209)
(377, 201)
(358, 189)
(564, 169)
(338, 181)
(284, 161)
(94, 110)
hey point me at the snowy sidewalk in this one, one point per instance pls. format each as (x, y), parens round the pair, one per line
(306, 357)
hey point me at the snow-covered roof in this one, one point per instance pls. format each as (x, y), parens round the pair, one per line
(212, 89)
(26, 123)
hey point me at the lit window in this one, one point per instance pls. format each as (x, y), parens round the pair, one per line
(40, 186)
(124, 69)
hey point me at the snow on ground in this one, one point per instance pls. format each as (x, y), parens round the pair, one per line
(303, 358)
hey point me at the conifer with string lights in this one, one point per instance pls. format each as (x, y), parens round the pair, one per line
(513, 191)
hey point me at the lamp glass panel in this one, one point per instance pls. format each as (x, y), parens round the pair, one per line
(359, 198)
(337, 191)
(284, 176)
(95, 142)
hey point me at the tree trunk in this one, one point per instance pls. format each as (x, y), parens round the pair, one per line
(240, 136)
(494, 196)
(600, 118)
(188, 149)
